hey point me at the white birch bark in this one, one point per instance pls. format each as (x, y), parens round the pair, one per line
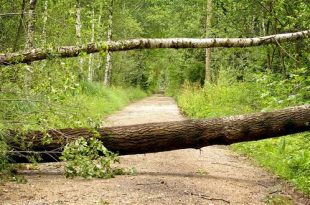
(31, 25)
(90, 61)
(134, 44)
(208, 70)
(78, 27)
(108, 70)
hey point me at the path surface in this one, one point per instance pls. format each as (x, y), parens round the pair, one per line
(213, 175)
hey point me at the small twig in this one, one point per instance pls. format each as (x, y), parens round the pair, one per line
(289, 55)
(203, 196)
(30, 100)
(226, 164)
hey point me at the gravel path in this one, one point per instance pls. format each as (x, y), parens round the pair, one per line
(212, 175)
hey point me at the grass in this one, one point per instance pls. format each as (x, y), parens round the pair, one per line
(85, 106)
(287, 157)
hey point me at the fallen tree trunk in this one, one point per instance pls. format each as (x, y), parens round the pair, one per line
(73, 51)
(157, 137)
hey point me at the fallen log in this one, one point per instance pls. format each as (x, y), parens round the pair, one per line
(158, 137)
(123, 45)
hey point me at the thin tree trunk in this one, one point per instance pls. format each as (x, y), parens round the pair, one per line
(108, 70)
(90, 62)
(20, 27)
(78, 27)
(45, 15)
(208, 69)
(31, 25)
(158, 137)
(29, 40)
(73, 51)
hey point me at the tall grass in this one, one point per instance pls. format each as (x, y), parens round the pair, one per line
(84, 106)
(287, 157)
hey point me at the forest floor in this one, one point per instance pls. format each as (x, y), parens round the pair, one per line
(212, 175)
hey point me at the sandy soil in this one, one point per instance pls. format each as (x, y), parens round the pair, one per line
(212, 175)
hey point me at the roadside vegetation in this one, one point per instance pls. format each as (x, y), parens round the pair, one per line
(84, 105)
(287, 157)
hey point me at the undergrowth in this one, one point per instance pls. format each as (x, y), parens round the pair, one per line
(287, 157)
(83, 105)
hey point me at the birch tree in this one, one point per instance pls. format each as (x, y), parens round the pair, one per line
(90, 62)
(31, 24)
(208, 70)
(108, 70)
(78, 27)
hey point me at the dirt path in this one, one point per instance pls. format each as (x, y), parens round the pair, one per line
(213, 175)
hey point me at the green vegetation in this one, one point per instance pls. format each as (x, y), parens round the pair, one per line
(89, 159)
(59, 93)
(85, 105)
(288, 157)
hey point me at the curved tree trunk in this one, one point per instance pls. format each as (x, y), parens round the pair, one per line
(73, 51)
(158, 137)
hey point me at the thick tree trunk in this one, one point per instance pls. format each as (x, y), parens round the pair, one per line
(157, 137)
(108, 70)
(208, 73)
(73, 51)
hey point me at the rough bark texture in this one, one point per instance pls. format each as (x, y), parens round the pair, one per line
(157, 137)
(73, 51)
(208, 74)
(108, 70)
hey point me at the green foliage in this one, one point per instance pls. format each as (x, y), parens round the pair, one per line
(288, 157)
(88, 159)
(4, 166)
(85, 105)
(217, 100)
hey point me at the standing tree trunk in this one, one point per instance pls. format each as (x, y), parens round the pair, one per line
(90, 62)
(45, 14)
(78, 28)
(20, 27)
(208, 74)
(31, 24)
(108, 70)
(29, 40)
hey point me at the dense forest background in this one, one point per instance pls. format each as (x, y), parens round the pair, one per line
(59, 93)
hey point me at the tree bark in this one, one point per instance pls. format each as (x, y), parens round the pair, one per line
(31, 25)
(20, 27)
(108, 70)
(73, 51)
(90, 60)
(78, 27)
(158, 137)
(208, 74)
